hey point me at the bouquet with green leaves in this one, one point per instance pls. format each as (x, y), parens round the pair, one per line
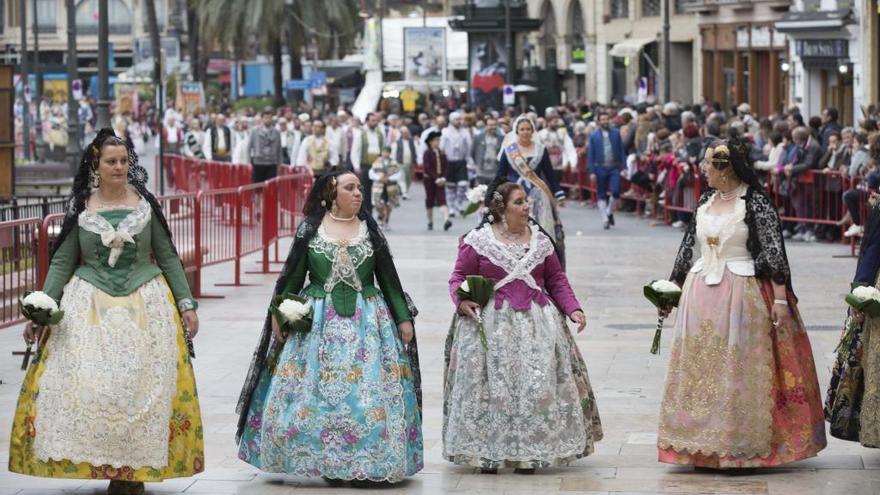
(475, 196)
(294, 313)
(664, 295)
(40, 309)
(478, 289)
(865, 299)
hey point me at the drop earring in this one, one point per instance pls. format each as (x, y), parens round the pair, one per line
(95, 179)
(504, 223)
(334, 209)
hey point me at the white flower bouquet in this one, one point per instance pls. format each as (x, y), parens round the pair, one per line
(475, 197)
(865, 299)
(294, 313)
(664, 295)
(40, 309)
(478, 289)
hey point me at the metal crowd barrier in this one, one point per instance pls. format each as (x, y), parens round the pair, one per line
(209, 227)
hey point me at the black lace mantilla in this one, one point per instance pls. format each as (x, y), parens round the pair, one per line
(765, 241)
(307, 230)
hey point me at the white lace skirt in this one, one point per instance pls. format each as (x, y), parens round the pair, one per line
(110, 376)
(518, 404)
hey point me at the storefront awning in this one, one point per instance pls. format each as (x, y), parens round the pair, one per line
(630, 47)
(806, 22)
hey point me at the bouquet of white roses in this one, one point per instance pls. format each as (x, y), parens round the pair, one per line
(294, 313)
(475, 197)
(865, 299)
(664, 295)
(41, 309)
(478, 289)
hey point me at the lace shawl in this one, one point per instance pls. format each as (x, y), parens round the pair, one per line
(765, 241)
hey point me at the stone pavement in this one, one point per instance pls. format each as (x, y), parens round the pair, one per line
(607, 270)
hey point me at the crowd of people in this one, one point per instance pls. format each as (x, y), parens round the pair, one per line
(818, 171)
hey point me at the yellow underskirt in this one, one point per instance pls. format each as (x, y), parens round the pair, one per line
(186, 455)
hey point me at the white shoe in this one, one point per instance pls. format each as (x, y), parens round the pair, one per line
(853, 230)
(799, 237)
(811, 237)
(786, 234)
(677, 224)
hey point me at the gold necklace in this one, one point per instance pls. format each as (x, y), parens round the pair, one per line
(114, 201)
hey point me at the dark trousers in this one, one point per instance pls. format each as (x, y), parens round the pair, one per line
(851, 198)
(367, 187)
(262, 173)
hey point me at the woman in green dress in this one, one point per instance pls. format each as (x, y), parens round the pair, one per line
(340, 400)
(111, 394)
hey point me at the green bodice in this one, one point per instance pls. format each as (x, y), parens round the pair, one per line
(112, 250)
(343, 270)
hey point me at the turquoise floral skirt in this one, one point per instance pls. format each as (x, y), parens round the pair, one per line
(338, 401)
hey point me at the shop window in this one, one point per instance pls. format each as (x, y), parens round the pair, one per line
(47, 11)
(650, 8)
(812, 5)
(679, 6)
(12, 9)
(618, 9)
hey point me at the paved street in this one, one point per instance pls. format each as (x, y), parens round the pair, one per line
(607, 270)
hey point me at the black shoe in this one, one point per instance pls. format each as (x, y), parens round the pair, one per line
(430, 226)
(524, 471)
(333, 481)
(489, 470)
(611, 219)
(447, 225)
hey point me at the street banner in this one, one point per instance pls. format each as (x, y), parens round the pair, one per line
(424, 54)
(509, 95)
(488, 63)
(190, 97)
(126, 99)
(77, 89)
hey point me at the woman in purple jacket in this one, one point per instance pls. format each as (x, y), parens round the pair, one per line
(525, 401)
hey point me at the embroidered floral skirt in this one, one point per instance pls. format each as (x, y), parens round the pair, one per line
(739, 392)
(338, 401)
(112, 395)
(526, 402)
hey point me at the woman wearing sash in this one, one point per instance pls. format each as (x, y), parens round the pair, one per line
(527, 163)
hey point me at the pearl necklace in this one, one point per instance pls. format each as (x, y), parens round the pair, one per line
(733, 193)
(339, 219)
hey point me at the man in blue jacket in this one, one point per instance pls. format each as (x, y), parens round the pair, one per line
(605, 158)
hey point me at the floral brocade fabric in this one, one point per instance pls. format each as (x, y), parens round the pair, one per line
(338, 401)
(526, 402)
(739, 392)
(167, 442)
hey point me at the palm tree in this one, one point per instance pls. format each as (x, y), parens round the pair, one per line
(237, 25)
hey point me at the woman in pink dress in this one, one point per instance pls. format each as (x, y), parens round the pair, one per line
(741, 389)
(523, 401)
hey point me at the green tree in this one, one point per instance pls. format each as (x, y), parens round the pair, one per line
(239, 28)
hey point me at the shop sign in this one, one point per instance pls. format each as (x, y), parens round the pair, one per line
(822, 48)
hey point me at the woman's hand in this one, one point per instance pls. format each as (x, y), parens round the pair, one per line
(780, 314)
(469, 309)
(664, 312)
(405, 329)
(191, 322)
(32, 333)
(276, 331)
(580, 318)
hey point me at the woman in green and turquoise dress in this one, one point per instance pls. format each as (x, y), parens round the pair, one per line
(341, 400)
(111, 393)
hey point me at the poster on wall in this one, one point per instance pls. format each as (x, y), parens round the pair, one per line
(126, 99)
(488, 65)
(190, 97)
(424, 54)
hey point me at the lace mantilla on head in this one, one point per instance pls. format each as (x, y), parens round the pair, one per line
(509, 258)
(345, 256)
(115, 239)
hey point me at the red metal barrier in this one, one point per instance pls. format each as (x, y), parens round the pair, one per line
(208, 227)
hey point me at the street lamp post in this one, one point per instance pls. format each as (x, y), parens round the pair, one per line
(508, 43)
(72, 104)
(26, 114)
(38, 93)
(103, 106)
(667, 62)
